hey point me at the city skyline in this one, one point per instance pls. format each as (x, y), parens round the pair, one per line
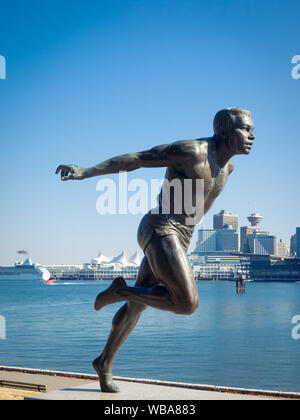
(260, 241)
(254, 219)
(193, 246)
(102, 78)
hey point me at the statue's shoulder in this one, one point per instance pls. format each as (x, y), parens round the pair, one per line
(190, 148)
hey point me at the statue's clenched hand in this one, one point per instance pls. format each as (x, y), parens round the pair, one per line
(70, 172)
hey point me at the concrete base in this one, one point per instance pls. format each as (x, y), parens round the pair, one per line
(78, 386)
(141, 391)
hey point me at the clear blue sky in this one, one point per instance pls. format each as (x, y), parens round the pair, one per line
(87, 80)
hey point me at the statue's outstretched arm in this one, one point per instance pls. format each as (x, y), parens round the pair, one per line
(156, 157)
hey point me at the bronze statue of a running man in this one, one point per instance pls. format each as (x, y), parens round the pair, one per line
(165, 280)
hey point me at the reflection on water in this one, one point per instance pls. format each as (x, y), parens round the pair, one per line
(233, 339)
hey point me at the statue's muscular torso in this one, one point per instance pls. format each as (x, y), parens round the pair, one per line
(198, 160)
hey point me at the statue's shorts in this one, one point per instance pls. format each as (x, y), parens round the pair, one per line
(162, 225)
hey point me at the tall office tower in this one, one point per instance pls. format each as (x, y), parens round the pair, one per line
(207, 240)
(225, 218)
(262, 243)
(298, 242)
(282, 249)
(293, 246)
(246, 231)
(227, 239)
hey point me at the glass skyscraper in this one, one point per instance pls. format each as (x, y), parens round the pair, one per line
(227, 239)
(210, 240)
(207, 240)
(262, 243)
(298, 242)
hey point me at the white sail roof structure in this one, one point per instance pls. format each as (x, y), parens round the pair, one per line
(121, 260)
(136, 259)
(100, 259)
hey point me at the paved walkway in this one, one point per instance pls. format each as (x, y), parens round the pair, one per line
(51, 382)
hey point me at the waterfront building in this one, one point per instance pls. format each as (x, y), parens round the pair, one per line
(267, 268)
(298, 242)
(227, 239)
(65, 271)
(282, 249)
(207, 240)
(225, 218)
(228, 265)
(100, 268)
(219, 265)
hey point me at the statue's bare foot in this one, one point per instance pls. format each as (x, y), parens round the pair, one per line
(109, 295)
(105, 376)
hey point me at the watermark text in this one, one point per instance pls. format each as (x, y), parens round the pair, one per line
(184, 197)
(296, 68)
(2, 67)
(296, 328)
(2, 328)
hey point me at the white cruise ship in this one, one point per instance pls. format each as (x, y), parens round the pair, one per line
(25, 270)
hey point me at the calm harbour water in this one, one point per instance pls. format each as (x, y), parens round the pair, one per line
(234, 340)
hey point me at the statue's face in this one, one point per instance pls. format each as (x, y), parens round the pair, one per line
(240, 138)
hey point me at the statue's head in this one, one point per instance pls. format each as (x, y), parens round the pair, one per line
(235, 127)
